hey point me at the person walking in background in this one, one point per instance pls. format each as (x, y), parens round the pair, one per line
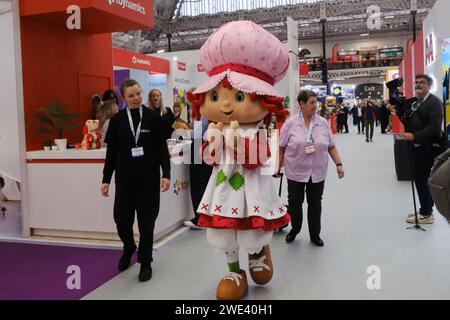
(155, 103)
(369, 120)
(384, 116)
(136, 151)
(358, 117)
(343, 117)
(339, 118)
(306, 141)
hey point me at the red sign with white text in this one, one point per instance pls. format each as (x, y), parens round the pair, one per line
(140, 61)
(96, 16)
(201, 68)
(181, 66)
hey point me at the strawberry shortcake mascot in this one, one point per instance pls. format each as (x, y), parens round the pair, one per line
(240, 207)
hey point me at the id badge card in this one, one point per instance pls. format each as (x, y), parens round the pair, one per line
(137, 152)
(309, 148)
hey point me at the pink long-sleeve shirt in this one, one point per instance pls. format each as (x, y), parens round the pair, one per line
(300, 166)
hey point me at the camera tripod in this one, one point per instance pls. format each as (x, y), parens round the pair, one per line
(411, 176)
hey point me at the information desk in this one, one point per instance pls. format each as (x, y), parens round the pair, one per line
(65, 201)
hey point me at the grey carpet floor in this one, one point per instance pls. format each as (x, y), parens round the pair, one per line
(363, 225)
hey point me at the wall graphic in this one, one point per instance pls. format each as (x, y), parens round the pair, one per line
(119, 77)
(446, 72)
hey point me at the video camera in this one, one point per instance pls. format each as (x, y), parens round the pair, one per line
(402, 105)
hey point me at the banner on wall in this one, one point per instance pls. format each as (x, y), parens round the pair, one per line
(135, 60)
(446, 71)
(182, 82)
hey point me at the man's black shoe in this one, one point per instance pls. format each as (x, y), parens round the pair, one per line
(317, 241)
(125, 261)
(146, 272)
(291, 236)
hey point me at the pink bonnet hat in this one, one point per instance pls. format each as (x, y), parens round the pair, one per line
(252, 58)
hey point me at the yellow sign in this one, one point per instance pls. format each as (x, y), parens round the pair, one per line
(447, 122)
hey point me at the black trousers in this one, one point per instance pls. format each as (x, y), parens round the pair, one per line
(423, 162)
(199, 174)
(360, 124)
(384, 124)
(145, 202)
(369, 128)
(296, 196)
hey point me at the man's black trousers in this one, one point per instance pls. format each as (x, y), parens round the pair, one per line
(145, 202)
(423, 162)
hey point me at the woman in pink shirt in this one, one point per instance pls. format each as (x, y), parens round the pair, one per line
(305, 143)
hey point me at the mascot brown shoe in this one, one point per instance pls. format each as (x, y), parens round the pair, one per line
(260, 266)
(233, 286)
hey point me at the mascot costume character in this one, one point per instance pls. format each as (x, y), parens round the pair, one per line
(240, 207)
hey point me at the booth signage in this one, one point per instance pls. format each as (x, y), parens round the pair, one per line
(129, 5)
(98, 16)
(369, 91)
(200, 68)
(430, 55)
(181, 66)
(135, 60)
(141, 61)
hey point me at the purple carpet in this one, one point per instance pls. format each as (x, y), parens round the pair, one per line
(39, 272)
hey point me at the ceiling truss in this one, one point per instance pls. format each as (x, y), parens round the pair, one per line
(344, 18)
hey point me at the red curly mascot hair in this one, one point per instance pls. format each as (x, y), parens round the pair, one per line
(274, 105)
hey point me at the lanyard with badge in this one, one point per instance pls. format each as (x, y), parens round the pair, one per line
(309, 147)
(136, 152)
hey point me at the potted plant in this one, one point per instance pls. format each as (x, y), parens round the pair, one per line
(47, 145)
(56, 121)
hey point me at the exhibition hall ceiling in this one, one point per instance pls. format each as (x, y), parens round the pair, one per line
(186, 24)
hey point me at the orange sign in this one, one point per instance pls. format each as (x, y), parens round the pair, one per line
(140, 61)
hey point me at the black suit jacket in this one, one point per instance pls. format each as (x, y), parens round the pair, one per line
(426, 122)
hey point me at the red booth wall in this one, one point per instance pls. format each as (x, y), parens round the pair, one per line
(62, 65)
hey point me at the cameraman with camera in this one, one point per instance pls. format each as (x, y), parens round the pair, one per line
(422, 118)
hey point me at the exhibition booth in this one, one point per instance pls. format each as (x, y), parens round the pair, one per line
(54, 64)
(430, 54)
(63, 64)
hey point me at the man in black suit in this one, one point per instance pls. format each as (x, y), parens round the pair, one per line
(423, 130)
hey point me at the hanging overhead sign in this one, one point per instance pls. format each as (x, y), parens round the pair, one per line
(369, 91)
